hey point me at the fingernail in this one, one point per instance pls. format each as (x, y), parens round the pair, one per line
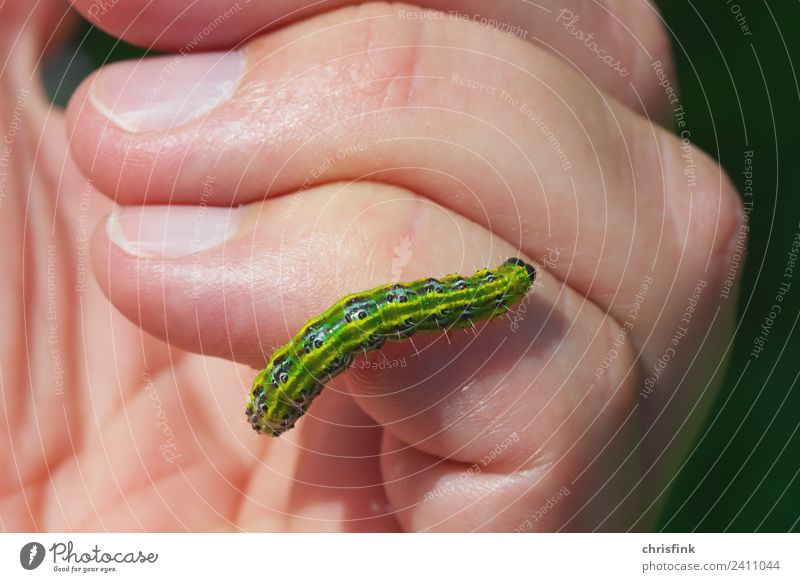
(157, 93)
(171, 231)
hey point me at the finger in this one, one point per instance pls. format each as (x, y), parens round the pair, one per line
(159, 461)
(612, 43)
(291, 257)
(559, 165)
(36, 345)
(30, 28)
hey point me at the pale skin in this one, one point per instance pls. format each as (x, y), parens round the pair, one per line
(110, 428)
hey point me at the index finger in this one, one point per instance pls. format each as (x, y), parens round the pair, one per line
(611, 43)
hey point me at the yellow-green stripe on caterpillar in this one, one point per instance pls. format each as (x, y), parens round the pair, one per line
(325, 346)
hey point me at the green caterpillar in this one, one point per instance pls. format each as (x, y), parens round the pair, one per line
(324, 348)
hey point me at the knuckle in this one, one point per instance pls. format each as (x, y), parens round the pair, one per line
(705, 206)
(717, 209)
(386, 71)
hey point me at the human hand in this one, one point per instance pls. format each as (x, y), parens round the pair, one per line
(448, 128)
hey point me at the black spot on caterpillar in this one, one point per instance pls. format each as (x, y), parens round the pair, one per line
(326, 345)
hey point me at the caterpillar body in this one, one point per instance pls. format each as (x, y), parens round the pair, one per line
(362, 322)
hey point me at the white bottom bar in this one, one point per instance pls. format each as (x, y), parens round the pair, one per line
(401, 557)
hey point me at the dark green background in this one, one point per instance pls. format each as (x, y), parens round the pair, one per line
(740, 93)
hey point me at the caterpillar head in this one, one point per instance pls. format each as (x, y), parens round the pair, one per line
(515, 263)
